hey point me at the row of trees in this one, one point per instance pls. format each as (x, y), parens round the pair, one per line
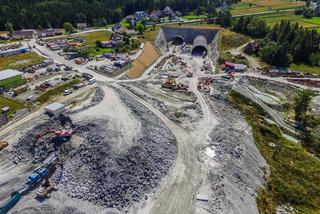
(284, 43)
(251, 26)
(53, 13)
(288, 42)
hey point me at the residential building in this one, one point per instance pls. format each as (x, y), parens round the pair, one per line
(140, 15)
(82, 26)
(155, 14)
(168, 12)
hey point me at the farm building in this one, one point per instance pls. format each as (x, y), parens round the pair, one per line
(55, 109)
(10, 78)
(24, 34)
(14, 51)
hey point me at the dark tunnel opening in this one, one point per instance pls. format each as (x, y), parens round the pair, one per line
(199, 51)
(177, 40)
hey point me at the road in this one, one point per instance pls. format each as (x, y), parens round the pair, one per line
(273, 114)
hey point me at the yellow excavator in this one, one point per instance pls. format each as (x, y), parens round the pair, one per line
(3, 144)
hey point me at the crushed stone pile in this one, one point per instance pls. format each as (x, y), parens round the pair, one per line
(92, 171)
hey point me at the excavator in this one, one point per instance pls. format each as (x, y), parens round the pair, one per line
(46, 186)
(62, 135)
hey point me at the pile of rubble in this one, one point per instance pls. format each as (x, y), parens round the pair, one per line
(93, 171)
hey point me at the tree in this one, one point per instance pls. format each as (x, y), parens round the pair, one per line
(68, 27)
(99, 43)
(9, 28)
(140, 28)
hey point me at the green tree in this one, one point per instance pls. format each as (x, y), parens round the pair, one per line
(68, 27)
(140, 28)
(9, 28)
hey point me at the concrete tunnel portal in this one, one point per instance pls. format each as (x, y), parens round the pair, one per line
(200, 46)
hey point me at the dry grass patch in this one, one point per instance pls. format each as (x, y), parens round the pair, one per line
(145, 60)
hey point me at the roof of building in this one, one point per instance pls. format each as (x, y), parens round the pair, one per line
(230, 64)
(167, 9)
(24, 33)
(21, 49)
(54, 106)
(6, 74)
(240, 67)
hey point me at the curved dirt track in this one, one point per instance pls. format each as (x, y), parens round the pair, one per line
(177, 192)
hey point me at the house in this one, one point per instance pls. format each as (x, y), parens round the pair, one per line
(168, 12)
(24, 34)
(252, 47)
(46, 33)
(58, 32)
(82, 26)
(155, 14)
(140, 15)
(240, 68)
(13, 51)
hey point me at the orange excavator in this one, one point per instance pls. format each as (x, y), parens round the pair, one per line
(62, 135)
(47, 187)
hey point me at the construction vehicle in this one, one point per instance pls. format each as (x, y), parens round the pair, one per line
(37, 175)
(46, 186)
(62, 135)
(170, 83)
(3, 144)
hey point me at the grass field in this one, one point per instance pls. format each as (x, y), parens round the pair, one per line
(20, 60)
(46, 96)
(145, 60)
(193, 16)
(91, 39)
(12, 82)
(256, 6)
(229, 39)
(12, 104)
(294, 173)
(305, 68)
(272, 19)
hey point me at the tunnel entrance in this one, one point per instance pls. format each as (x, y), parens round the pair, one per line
(178, 40)
(199, 51)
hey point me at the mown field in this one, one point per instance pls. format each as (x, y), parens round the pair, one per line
(12, 82)
(274, 18)
(256, 6)
(91, 39)
(20, 60)
(12, 104)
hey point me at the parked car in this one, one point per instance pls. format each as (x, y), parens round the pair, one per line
(67, 92)
(91, 81)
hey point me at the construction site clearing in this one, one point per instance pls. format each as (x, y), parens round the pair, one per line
(166, 141)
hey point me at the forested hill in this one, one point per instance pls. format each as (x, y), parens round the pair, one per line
(53, 13)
